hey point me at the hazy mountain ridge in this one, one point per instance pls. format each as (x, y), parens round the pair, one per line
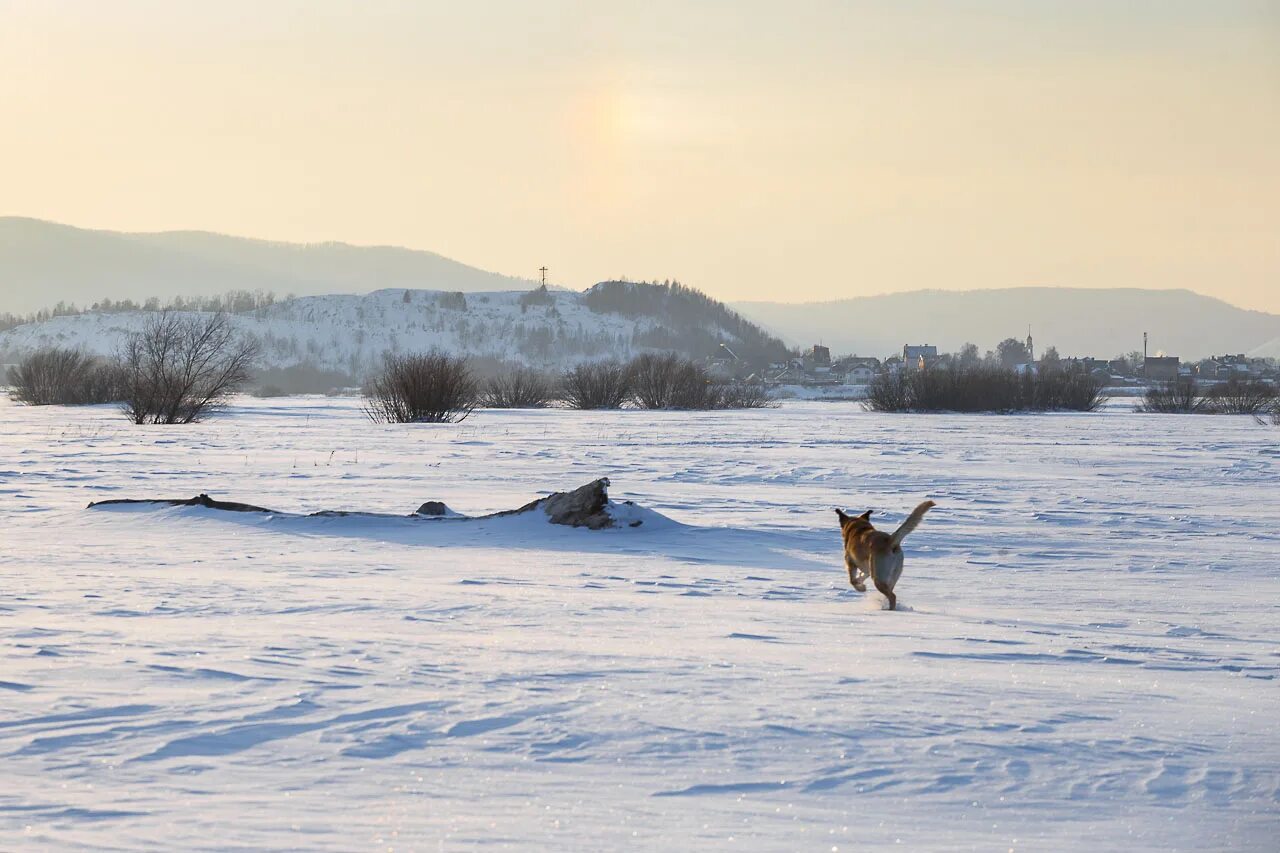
(1078, 321)
(547, 329)
(42, 263)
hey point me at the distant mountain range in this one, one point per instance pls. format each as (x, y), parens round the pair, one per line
(42, 263)
(1078, 321)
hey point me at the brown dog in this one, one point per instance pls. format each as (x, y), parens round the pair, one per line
(875, 554)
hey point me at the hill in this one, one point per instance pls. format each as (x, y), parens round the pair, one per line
(42, 263)
(542, 328)
(1078, 321)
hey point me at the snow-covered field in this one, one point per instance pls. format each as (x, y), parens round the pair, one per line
(1087, 657)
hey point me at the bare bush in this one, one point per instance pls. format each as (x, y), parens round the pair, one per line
(1242, 396)
(668, 381)
(521, 388)
(1181, 396)
(65, 377)
(889, 392)
(432, 387)
(180, 368)
(266, 392)
(984, 388)
(596, 385)
(745, 394)
(1062, 389)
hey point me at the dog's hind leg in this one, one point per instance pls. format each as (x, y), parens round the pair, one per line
(887, 592)
(856, 578)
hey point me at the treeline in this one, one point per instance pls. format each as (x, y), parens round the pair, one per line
(231, 302)
(695, 322)
(984, 386)
(1235, 396)
(436, 387)
(180, 367)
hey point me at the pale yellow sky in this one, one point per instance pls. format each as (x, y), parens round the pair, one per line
(757, 150)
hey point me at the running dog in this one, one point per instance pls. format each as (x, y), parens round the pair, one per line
(875, 554)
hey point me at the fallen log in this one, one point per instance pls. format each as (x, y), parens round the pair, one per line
(586, 506)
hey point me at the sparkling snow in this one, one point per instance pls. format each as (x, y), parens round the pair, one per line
(1086, 657)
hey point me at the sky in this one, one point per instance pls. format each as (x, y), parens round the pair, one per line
(789, 151)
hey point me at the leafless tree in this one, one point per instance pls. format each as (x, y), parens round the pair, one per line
(595, 385)
(68, 377)
(432, 387)
(180, 367)
(520, 388)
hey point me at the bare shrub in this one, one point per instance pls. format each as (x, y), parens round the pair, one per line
(1181, 396)
(1242, 396)
(984, 388)
(432, 387)
(745, 394)
(521, 388)
(66, 377)
(265, 392)
(889, 392)
(180, 368)
(668, 381)
(596, 385)
(1062, 389)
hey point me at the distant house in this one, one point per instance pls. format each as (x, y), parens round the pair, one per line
(913, 354)
(1227, 366)
(1160, 368)
(860, 374)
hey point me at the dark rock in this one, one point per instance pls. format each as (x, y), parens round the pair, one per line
(585, 506)
(433, 508)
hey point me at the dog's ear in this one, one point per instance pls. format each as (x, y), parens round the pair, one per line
(840, 513)
(867, 515)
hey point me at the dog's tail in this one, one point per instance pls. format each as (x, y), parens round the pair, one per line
(912, 522)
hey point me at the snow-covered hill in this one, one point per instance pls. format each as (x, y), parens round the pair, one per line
(350, 333)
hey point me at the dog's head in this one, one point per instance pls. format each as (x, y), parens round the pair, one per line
(847, 521)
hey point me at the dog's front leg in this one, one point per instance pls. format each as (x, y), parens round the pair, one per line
(857, 579)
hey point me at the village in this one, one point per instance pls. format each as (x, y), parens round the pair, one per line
(818, 370)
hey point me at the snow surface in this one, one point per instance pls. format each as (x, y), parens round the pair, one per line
(1086, 657)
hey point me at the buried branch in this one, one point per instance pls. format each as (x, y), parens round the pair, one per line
(586, 506)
